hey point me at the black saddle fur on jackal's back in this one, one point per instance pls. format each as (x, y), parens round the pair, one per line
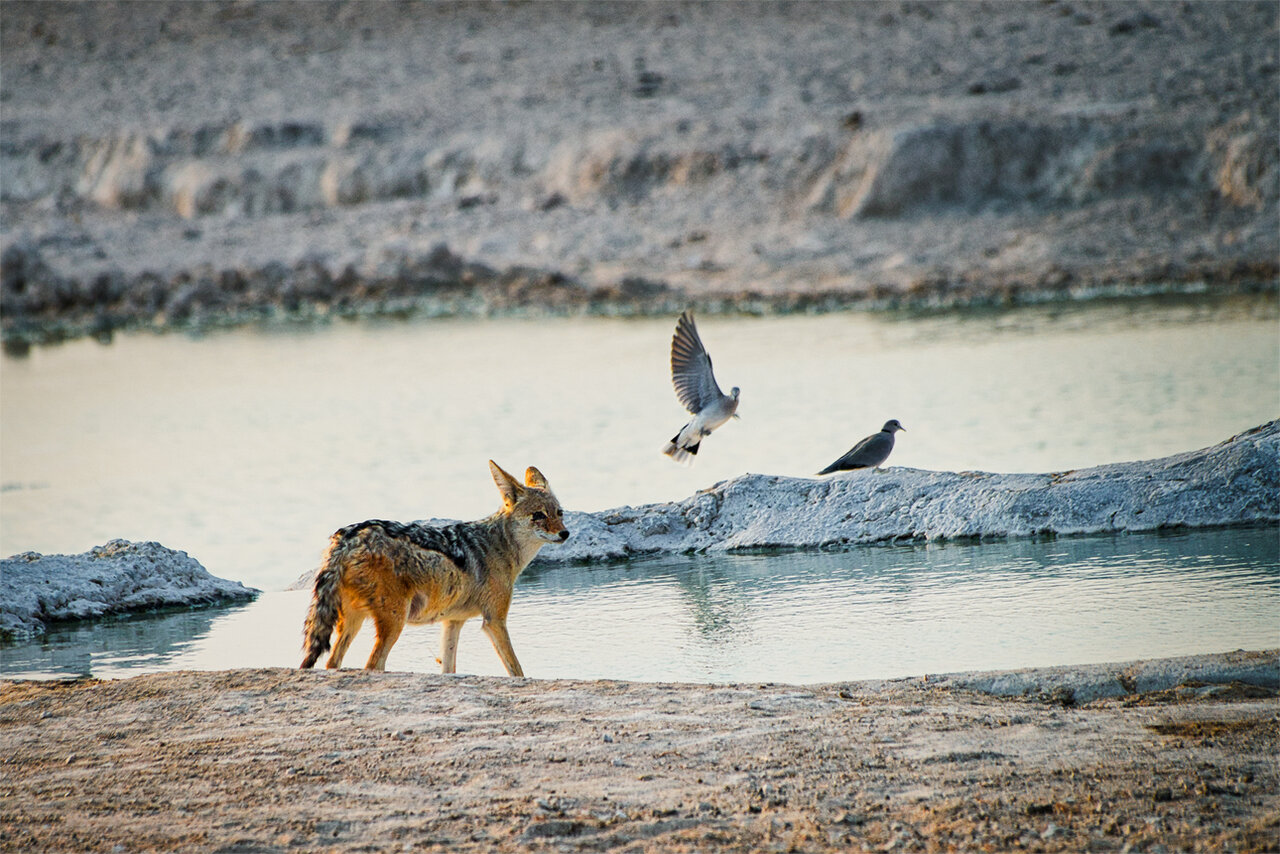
(458, 542)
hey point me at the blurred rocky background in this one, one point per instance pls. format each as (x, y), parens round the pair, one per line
(197, 163)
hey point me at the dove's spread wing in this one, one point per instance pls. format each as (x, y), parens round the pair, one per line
(691, 368)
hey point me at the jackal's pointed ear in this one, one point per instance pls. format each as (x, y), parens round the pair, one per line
(507, 485)
(534, 478)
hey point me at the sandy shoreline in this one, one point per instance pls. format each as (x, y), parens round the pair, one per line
(280, 760)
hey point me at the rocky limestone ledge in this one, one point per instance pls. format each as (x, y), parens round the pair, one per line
(1189, 677)
(642, 159)
(1236, 482)
(115, 578)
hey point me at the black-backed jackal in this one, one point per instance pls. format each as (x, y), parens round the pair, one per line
(399, 574)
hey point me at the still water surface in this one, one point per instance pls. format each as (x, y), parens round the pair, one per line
(248, 447)
(871, 612)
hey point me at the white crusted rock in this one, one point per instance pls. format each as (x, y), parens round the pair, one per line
(1236, 482)
(116, 578)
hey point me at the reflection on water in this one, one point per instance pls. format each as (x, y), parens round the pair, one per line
(143, 643)
(249, 447)
(870, 612)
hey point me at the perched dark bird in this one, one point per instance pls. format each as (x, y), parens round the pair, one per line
(697, 390)
(868, 453)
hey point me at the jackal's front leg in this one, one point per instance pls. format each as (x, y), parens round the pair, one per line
(449, 632)
(496, 629)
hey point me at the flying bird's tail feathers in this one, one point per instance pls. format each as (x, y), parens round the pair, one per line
(679, 454)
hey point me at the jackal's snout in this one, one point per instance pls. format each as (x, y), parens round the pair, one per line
(551, 531)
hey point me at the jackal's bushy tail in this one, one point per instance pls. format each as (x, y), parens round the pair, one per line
(323, 614)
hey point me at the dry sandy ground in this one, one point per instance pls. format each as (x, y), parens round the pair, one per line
(279, 760)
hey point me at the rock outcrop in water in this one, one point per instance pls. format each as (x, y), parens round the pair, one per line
(1236, 482)
(116, 578)
(437, 158)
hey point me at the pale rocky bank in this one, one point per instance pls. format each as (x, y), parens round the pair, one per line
(1236, 482)
(177, 164)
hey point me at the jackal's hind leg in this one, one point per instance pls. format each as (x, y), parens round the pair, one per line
(496, 629)
(348, 625)
(388, 627)
(449, 632)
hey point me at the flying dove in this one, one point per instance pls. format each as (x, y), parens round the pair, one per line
(698, 392)
(868, 453)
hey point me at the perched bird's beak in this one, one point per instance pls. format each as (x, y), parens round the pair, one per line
(737, 416)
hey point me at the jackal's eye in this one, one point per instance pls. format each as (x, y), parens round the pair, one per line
(537, 516)
(559, 512)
